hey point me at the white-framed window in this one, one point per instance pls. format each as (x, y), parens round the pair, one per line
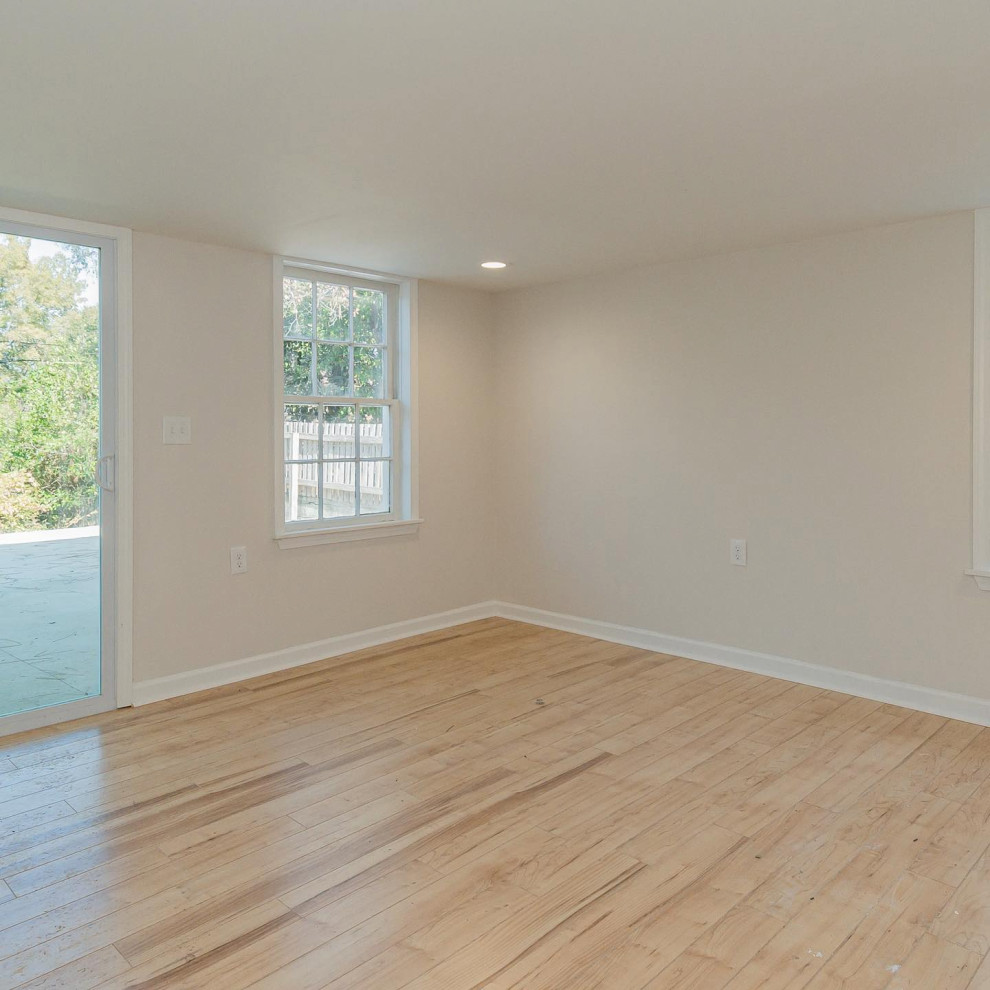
(345, 412)
(981, 401)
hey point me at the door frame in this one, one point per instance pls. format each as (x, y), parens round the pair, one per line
(115, 292)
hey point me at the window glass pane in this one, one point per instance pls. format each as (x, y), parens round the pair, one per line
(369, 372)
(300, 429)
(338, 432)
(374, 431)
(375, 487)
(332, 313)
(332, 369)
(301, 492)
(369, 316)
(298, 367)
(338, 488)
(297, 307)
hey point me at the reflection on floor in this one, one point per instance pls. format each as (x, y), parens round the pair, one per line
(49, 621)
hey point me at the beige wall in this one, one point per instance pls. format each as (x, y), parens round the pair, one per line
(617, 431)
(812, 398)
(202, 347)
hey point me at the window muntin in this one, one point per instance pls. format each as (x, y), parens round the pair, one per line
(338, 400)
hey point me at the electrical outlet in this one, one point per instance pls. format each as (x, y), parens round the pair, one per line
(737, 552)
(238, 560)
(176, 429)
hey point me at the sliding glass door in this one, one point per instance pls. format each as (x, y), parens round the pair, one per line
(57, 475)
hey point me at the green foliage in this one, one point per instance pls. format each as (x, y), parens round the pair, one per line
(332, 319)
(49, 388)
(297, 307)
(19, 505)
(368, 326)
(338, 309)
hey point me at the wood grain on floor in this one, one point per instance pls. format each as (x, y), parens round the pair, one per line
(505, 807)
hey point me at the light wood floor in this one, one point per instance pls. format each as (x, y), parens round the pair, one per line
(505, 807)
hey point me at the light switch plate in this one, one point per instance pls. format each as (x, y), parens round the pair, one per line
(176, 429)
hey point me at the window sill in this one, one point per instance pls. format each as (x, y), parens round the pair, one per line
(348, 534)
(982, 578)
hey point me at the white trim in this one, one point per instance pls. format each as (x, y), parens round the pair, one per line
(38, 718)
(63, 225)
(124, 445)
(349, 534)
(914, 696)
(348, 271)
(401, 371)
(204, 678)
(981, 400)
(124, 463)
(335, 275)
(407, 385)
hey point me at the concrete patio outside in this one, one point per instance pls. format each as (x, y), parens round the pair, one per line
(49, 618)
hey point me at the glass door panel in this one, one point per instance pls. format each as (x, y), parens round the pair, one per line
(51, 539)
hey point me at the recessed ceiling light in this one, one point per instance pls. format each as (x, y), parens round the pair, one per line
(493, 264)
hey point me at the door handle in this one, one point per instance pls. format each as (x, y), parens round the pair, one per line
(104, 472)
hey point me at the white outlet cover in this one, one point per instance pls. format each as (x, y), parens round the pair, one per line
(737, 552)
(176, 429)
(238, 560)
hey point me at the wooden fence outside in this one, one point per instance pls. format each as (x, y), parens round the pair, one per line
(301, 440)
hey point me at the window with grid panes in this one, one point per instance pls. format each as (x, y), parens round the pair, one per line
(339, 405)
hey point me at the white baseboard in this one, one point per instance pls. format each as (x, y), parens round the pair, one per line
(160, 688)
(922, 699)
(914, 696)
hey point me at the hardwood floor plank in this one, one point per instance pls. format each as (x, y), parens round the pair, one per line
(965, 919)
(720, 951)
(936, 963)
(89, 971)
(498, 806)
(885, 938)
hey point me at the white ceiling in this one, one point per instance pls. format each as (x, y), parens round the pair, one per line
(426, 136)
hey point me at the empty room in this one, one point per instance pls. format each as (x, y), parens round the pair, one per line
(494, 496)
